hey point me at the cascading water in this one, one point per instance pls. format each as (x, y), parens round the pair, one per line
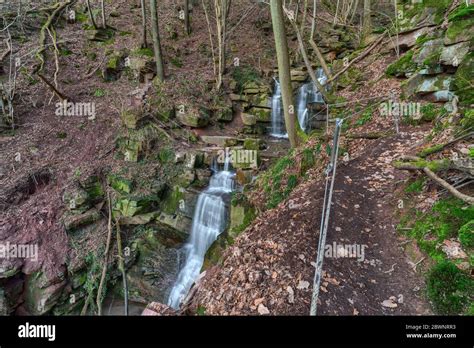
(308, 93)
(209, 222)
(278, 123)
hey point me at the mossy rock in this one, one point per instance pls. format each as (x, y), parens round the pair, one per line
(76, 198)
(459, 31)
(252, 144)
(194, 117)
(402, 67)
(263, 115)
(463, 80)
(131, 117)
(40, 295)
(225, 114)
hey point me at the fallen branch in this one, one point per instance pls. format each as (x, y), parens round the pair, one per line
(57, 8)
(372, 135)
(320, 58)
(428, 167)
(318, 85)
(438, 148)
(61, 96)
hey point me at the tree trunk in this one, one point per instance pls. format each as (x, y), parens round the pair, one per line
(313, 22)
(91, 15)
(187, 24)
(281, 46)
(104, 19)
(144, 31)
(156, 40)
(367, 21)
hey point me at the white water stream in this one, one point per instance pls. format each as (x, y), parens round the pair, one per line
(308, 93)
(209, 221)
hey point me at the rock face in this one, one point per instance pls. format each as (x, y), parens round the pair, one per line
(420, 84)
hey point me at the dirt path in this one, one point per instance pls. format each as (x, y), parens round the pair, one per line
(363, 215)
(270, 268)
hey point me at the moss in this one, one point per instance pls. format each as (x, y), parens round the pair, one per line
(463, 80)
(467, 122)
(120, 184)
(171, 202)
(459, 27)
(243, 75)
(143, 52)
(430, 229)
(402, 66)
(430, 150)
(462, 11)
(449, 289)
(416, 186)
(466, 234)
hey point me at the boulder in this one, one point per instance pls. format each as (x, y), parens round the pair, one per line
(196, 118)
(42, 294)
(248, 119)
(463, 80)
(224, 114)
(407, 39)
(429, 51)
(453, 55)
(423, 84)
(75, 221)
(219, 140)
(263, 115)
(176, 225)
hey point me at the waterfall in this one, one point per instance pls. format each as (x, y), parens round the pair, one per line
(307, 93)
(209, 222)
(278, 122)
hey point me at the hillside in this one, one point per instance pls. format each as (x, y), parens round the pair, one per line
(183, 195)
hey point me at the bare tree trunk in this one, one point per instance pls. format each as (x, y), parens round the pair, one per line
(367, 21)
(104, 19)
(281, 46)
(156, 40)
(91, 15)
(222, 8)
(144, 30)
(313, 23)
(187, 24)
(303, 20)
